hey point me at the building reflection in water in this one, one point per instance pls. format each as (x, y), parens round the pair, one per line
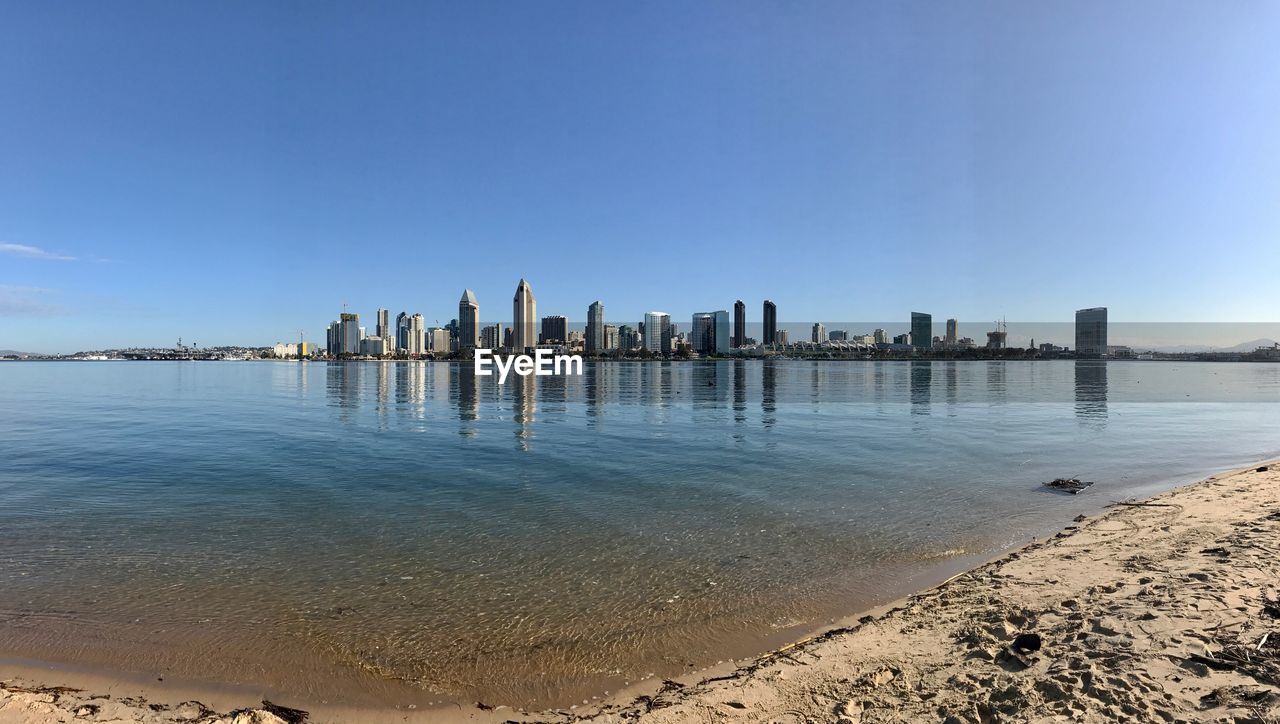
(1091, 391)
(949, 374)
(921, 382)
(768, 393)
(997, 386)
(524, 403)
(739, 391)
(467, 397)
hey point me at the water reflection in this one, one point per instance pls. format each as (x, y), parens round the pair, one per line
(1091, 391)
(921, 382)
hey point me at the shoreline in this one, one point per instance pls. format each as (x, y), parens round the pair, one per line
(943, 649)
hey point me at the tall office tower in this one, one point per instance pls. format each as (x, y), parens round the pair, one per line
(555, 330)
(524, 319)
(953, 332)
(383, 327)
(1091, 332)
(350, 340)
(783, 339)
(417, 335)
(468, 320)
(610, 337)
(441, 340)
(739, 323)
(838, 335)
(721, 333)
(921, 330)
(657, 332)
(628, 338)
(402, 332)
(703, 333)
(819, 333)
(491, 336)
(334, 339)
(507, 338)
(880, 336)
(770, 322)
(595, 342)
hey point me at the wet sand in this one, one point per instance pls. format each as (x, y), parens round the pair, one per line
(1165, 610)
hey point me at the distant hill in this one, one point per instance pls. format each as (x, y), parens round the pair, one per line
(16, 353)
(1249, 346)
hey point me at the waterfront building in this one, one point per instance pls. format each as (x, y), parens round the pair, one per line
(722, 345)
(838, 335)
(782, 338)
(739, 324)
(373, 346)
(402, 332)
(383, 327)
(881, 336)
(1091, 332)
(595, 342)
(702, 333)
(819, 333)
(921, 330)
(770, 322)
(441, 341)
(332, 344)
(953, 329)
(657, 332)
(524, 316)
(468, 320)
(491, 336)
(628, 338)
(902, 338)
(555, 330)
(610, 337)
(416, 335)
(349, 340)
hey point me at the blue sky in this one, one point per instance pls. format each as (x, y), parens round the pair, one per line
(232, 172)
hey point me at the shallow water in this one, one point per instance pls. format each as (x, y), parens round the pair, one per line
(546, 540)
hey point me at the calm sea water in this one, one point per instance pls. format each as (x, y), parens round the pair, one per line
(549, 539)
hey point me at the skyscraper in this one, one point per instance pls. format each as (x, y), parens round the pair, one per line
(703, 333)
(819, 333)
(770, 322)
(657, 332)
(383, 327)
(491, 336)
(721, 333)
(468, 320)
(739, 323)
(349, 342)
(416, 335)
(952, 332)
(555, 330)
(524, 319)
(402, 332)
(921, 330)
(1091, 332)
(595, 341)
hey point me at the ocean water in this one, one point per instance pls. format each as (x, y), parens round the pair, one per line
(327, 527)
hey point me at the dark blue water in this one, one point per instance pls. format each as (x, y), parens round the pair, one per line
(552, 537)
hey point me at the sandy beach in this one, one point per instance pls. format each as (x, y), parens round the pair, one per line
(1166, 609)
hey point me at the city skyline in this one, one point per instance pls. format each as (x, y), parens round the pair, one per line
(852, 160)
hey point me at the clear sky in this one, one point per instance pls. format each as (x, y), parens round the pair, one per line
(232, 172)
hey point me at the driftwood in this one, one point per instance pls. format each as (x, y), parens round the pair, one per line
(1068, 485)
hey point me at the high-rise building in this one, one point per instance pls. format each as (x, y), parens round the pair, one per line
(595, 342)
(1091, 332)
(770, 322)
(402, 332)
(657, 332)
(703, 333)
(416, 342)
(349, 341)
(524, 318)
(739, 323)
(491, 336)
(610, 337)
(555, 330)
(628, 338)
(921, 330)
(838, 335)
(333, 339)
(383, 327)
(722, 331)
(441, 341)
(880, 336)
(781, 338)
(953, 333)
(468, 320)
(819, 333)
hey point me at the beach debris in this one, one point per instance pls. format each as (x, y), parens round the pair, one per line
(483, 706)
(1263, 469)
(86, 710)
(1068, 485)
(1021, 650)
(1240, 695)
(291, 716)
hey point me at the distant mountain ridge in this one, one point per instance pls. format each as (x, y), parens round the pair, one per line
(16, 353)
(1243, 347)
